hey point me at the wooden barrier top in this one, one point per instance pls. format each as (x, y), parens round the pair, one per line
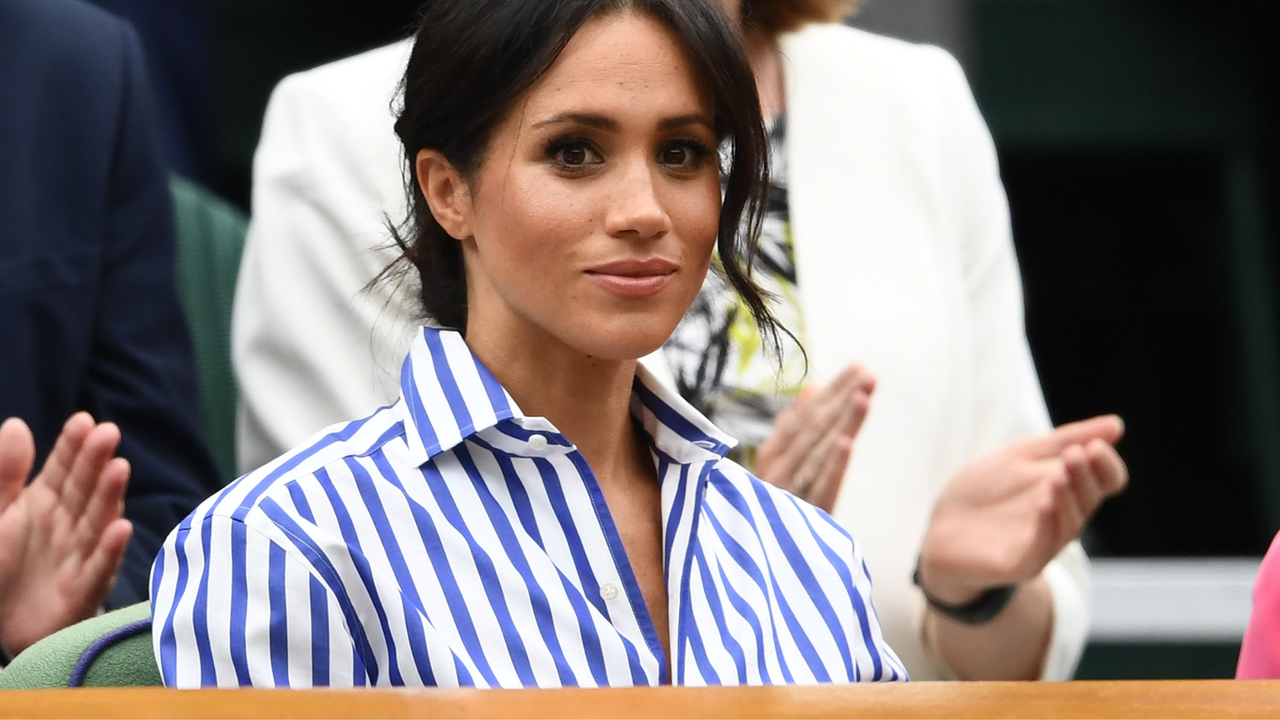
(1083, 699)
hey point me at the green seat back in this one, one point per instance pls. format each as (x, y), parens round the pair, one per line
(210, 240)
(112, 650)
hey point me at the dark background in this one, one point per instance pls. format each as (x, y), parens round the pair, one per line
(1138, 146)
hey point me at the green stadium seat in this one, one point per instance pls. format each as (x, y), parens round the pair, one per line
(111, 650)
(211, 236)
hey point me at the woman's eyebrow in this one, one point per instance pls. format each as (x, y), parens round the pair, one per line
(602, 122)
(596, 121)
(685, 121)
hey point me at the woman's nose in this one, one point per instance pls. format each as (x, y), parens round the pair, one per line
(636, 211)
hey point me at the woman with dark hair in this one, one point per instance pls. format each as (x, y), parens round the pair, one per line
(887, 242)
(535, 510)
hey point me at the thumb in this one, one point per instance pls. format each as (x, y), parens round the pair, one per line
(17, 455)
(806, 394)
(1109, 428)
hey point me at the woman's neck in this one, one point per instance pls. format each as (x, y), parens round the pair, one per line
(766, 63)
(588, 399)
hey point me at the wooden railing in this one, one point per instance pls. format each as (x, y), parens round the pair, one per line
(1100, 699)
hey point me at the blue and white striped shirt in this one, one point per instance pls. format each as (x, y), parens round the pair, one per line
(451, 540)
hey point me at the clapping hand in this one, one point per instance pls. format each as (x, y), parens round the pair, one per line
(62, 536)
(812, 441)
(1005, 515)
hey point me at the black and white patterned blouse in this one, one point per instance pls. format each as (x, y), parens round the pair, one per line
(716, 354)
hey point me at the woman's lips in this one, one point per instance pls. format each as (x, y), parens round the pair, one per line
(634, 278)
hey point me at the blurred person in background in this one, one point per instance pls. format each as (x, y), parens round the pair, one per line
(888, 244)
(92, 326)
(177, 42)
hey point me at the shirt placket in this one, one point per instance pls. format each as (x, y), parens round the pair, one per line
(599, 567)
(682, 496)
(618, 589)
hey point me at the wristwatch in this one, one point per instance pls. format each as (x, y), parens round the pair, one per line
(975, 612)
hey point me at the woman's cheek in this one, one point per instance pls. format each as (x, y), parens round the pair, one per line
(698, 214)
(535, 225)
(555, 211)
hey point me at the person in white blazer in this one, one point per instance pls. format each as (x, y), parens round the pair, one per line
(906, 266)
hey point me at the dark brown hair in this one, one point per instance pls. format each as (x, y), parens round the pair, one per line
(472, 59)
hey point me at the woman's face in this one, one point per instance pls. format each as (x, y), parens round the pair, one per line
(594, 214)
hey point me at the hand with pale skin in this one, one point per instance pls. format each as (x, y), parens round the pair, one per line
(1000, 521)
(812, 441)
(62, 536)
(1005, 515)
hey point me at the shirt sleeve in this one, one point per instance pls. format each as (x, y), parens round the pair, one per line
(313, 343)
(238, 606)
(1011, 403)
(893, 668)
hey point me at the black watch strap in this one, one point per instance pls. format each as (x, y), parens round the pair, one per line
(975, 612)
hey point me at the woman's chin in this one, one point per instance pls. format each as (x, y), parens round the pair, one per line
(625, 338)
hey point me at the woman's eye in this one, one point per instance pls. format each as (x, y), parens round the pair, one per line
(682, 155)
(675, 156)
(575, 155)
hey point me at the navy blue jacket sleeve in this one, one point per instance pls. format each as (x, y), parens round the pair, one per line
(141, 370)
(88, 304)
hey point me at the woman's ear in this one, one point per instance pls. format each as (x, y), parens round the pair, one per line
(446, 193)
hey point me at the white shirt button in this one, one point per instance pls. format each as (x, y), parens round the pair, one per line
(537, 443)
(608, 591)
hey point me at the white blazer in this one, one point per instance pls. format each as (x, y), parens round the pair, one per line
(904, 258)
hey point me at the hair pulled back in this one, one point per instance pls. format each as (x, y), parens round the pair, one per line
(472, 59)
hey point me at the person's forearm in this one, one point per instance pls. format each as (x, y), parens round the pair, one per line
(1011, 646)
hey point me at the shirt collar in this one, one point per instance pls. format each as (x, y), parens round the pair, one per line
(447, 395)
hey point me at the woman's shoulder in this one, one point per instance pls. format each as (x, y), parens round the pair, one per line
(890, 92)
(306, 468)
(362, 85)
(771, 510)
(869, 57)
(65, 36)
